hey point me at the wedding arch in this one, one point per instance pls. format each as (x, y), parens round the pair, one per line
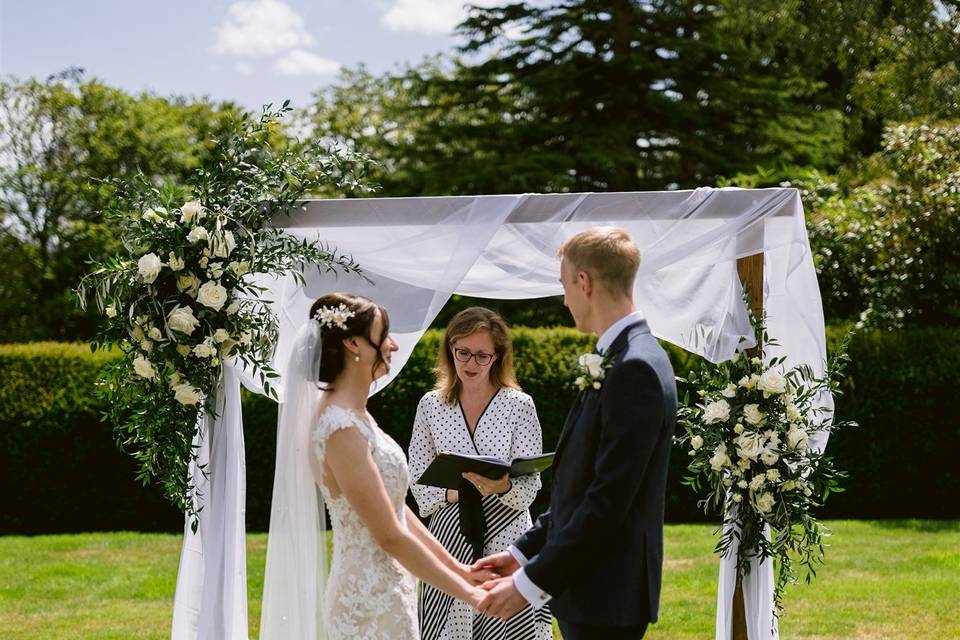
(698, 248)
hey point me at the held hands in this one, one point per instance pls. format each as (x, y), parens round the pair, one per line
(501, 564)
(477, 576)
(486, 486)
(502, 599)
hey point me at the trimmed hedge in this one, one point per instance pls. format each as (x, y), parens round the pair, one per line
(62, 470)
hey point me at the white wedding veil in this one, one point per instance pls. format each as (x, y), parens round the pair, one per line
(295, 576)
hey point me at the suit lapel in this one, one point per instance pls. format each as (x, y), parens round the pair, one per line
(615, 353)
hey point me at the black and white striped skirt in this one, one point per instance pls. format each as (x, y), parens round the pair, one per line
(442, 617)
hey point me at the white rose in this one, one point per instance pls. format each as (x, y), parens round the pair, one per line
(593, 362)
(212, 295)
(233, 308)
(183, 350)
(769, 457)
(220, 335)
(744, 382)
(730, 391)
(182, 319)
(773, 475)
(752, 414)
(239, 268)
(797, 437)
(737, 497)
(149, 267)
(203, 262)
(143, 368)
(742, 484)
(204, 350)
(111, 311)
(186, 393)
(155, 334)
(765, 502)
(191, 210)
(773, 438)
(772, 382)
(757, 482)
(720, 459)
(197, 234)
(215, 269)
(189, 284)
(696, 442)
(718, 411)
(789, 485)
(597, 385)
(175, 263)
(749, 445)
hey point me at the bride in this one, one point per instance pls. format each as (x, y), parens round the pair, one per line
(327, 442)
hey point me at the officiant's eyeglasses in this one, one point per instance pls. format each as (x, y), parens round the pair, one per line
(464, 355)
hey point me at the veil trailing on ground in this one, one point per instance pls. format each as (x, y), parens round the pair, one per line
(296, 568)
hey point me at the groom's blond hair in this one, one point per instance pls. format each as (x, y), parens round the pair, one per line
(609, 255)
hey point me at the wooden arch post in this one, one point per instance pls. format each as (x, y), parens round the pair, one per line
(750, 270)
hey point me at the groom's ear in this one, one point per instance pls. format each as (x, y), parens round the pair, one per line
(585, 282)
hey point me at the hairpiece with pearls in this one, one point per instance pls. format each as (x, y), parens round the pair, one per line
(333, 316)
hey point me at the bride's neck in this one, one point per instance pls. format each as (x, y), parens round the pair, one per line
(350, 389)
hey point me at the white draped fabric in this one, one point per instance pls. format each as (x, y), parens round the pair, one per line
(417, 252)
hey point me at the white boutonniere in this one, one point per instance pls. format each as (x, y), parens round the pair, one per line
(593, 369)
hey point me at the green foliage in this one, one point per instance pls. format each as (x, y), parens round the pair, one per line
(61, 139)
(54, 436)
(176, 333)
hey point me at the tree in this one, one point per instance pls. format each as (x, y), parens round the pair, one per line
(59, 140)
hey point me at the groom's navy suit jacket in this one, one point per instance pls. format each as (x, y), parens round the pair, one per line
(598, 550)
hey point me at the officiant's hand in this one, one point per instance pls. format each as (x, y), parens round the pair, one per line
(488, 487)
(503, 600)
(502, 563)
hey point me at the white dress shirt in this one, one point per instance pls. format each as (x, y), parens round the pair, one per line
(536, 596)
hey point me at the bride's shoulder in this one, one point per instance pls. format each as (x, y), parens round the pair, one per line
(333, 417)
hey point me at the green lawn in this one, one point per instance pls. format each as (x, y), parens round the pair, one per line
(893, 579)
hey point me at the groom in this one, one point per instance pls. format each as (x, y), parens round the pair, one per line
(596, 555)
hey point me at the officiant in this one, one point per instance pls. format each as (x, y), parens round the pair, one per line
(476, 408)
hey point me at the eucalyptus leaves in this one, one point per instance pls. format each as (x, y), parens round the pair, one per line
(181, 300)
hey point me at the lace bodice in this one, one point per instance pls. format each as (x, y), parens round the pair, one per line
(368, 594)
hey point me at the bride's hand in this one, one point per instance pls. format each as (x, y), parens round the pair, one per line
(477, 576)
(476, 596)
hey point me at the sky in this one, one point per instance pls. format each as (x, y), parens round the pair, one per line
(248, 51)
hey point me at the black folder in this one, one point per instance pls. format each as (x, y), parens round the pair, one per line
(447, 468)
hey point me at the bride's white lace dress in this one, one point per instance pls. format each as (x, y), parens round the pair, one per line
(368, 594)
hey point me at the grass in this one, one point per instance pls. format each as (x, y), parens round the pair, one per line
(885, 579)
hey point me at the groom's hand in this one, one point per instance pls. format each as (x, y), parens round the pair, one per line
(502, 600)
(503, 564)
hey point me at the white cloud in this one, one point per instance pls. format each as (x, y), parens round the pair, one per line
(301, 62)
(429, 16)
(243, 68)
(260, 28)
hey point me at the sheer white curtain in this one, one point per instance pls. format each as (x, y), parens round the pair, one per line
(418, 251)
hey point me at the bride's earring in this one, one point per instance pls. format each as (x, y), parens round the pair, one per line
(356, 358)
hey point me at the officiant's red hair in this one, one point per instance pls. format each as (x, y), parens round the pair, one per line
(464, 324)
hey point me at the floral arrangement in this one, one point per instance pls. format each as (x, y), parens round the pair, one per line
(593, 369)
(750, 432)
(180, 300)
